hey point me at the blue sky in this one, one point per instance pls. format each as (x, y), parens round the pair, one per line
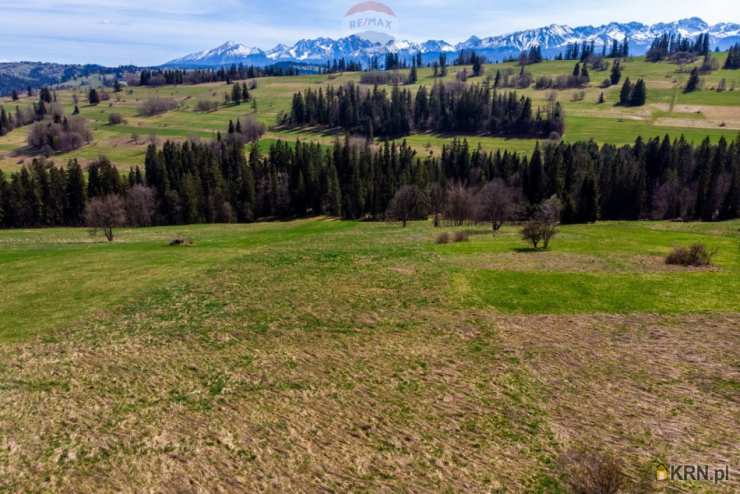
(114, 32)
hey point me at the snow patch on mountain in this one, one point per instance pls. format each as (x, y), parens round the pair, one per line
(552, 39)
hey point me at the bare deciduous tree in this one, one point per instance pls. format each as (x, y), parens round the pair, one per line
(438, 200)
(459, 207)
(252, 129)
(409, 203)
(105, 213)
(542, 226)
(494, 204)
(156, 105)
(141, 204)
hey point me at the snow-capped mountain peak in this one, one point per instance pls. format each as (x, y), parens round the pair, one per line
(551, 39)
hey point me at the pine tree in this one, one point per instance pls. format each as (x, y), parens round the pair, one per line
(74, 205)
(584, 73)
(236, 94)
(639, 94)
(693, 82)
(588, 201)
(625, 94)
(92, 97)
(413, 77)
(616, 73)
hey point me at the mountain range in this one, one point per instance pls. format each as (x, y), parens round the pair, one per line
(552, 39)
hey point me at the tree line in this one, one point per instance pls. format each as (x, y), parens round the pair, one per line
(733, 57)
(207, 182)
(447, 107)
(161, 77)
(669, 45)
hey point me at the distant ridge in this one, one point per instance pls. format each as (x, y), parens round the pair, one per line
(552, 39)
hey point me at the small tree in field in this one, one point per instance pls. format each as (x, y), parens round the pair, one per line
(459, 207)
(105, 213)
(438, 201)
(542, 226)
(494, 204)
(409, 203)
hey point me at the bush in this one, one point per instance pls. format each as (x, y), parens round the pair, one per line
(382, 77)
(696, 255)
(460, 237)
(156, 105)
(589, 472)
(443, 238)
(206, 105)
(181, 241)
(67, 135)
(251, 128)
(115, 119)
(536, 231)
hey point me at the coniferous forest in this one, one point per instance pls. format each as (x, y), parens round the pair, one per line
(447, 108)
(194, 182)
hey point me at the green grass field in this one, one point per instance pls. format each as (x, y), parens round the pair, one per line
(669, 111)
(319, 355)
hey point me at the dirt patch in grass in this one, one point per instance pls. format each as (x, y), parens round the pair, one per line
(534, 261)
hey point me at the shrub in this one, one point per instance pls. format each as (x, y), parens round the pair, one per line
(67, 135)
(181, 241)
(206, 105)
(460, 237)
(382, 77)
(443, 238)
(589, 472)
(115, 119)
(251, 128)
(156, 105)
(696, 255)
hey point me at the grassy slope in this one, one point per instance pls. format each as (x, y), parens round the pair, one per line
(669, 111)
(360, 356)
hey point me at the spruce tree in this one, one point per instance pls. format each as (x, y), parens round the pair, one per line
(236, 94)
(693, 82)
(74, 205)
(413, 77)
(92, 97)
(616, 73)
(625, 94)
(639, 94)
(588, 201)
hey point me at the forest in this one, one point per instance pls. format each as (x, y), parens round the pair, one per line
(215, 182)
(447, 107)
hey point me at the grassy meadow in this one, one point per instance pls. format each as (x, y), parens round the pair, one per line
(323, 355)
(668, 111)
